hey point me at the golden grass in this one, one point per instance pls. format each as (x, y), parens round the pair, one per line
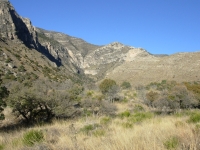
(150, 134)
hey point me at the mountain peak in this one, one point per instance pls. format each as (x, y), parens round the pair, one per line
(14, 27)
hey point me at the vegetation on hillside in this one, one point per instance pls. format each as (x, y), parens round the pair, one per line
(38, 93)
(3, 94)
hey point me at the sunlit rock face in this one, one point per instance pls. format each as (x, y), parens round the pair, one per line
(16, 28)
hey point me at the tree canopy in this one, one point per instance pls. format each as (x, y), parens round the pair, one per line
(106, 85)
(3, 94)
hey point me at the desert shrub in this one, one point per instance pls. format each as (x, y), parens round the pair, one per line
(98, 132)
(125, 114)
(180, 124)
(87, 129)
(21, 68)
(185, 113)
(75, 91)
(3, 94)
(180, 97)
(106, 85)
(89, 93)
(17, 56)
(105, 120)
(107, 108)
(140, 116)
(1, 147)
(138, 108)
(125, 85)
(109, 88)
(32, 137)
(194, 118)
(127, 125)
(151, 97)
(195, 89)
(16, 142)
(124, 100)
(8, 60)
(31, 107)
(62, 105)
(171, 143)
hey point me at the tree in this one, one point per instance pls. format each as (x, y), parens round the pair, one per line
(126, 85)
(106, 85)
(180, 97)
(30, 107)
(151, 97)
(109, 88)
(3, 94)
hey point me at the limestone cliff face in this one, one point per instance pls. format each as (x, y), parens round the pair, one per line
(115, 60)
(106, 58)
(16, 28)
(68, 48)
(20, 30)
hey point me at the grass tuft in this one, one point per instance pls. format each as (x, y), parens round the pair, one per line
(171, 143)
(125, 114)
(194, 118)
(105, 120)
(32, 137)
(140, 116)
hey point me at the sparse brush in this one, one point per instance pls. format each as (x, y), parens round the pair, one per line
(127, 125)
(88, 128)
(99, 132)
(1, 147)
(105, 120)
(32, 137)
(171, 143)
(140, 116)
(125, 114)
(138, 108)
(194, 118)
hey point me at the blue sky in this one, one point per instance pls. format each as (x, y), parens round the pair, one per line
(159, 26)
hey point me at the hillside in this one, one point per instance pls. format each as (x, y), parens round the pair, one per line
(143, 70)
(75, 56)
(59, 92)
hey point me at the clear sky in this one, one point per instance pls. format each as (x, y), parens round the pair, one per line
(159, 26)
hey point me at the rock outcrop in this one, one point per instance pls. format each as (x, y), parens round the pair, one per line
(16, 28)
(115, 60)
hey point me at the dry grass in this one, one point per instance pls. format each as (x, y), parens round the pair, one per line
(152, 134)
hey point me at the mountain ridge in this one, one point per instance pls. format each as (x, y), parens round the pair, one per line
(97, 62)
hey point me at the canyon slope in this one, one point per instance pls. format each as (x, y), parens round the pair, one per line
(21, 42)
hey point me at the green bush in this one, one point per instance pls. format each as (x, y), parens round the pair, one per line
(125, 114)
(32, 137)
(3, 94)
(171, 143)
(194, 118)
(140, 116)
(107, 85)
(88, 128)
(184, 113)
(138, 108)
(127, 125)
(1, 147)
(21, 68)
(98, 132)
(125, 85)
(105, 120)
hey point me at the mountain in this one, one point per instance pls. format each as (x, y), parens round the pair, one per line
(65, 46)
(16, 28)
(43, 53)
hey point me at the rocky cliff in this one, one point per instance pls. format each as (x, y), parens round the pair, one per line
(64, 45)
(16, 28)
(115, 60)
